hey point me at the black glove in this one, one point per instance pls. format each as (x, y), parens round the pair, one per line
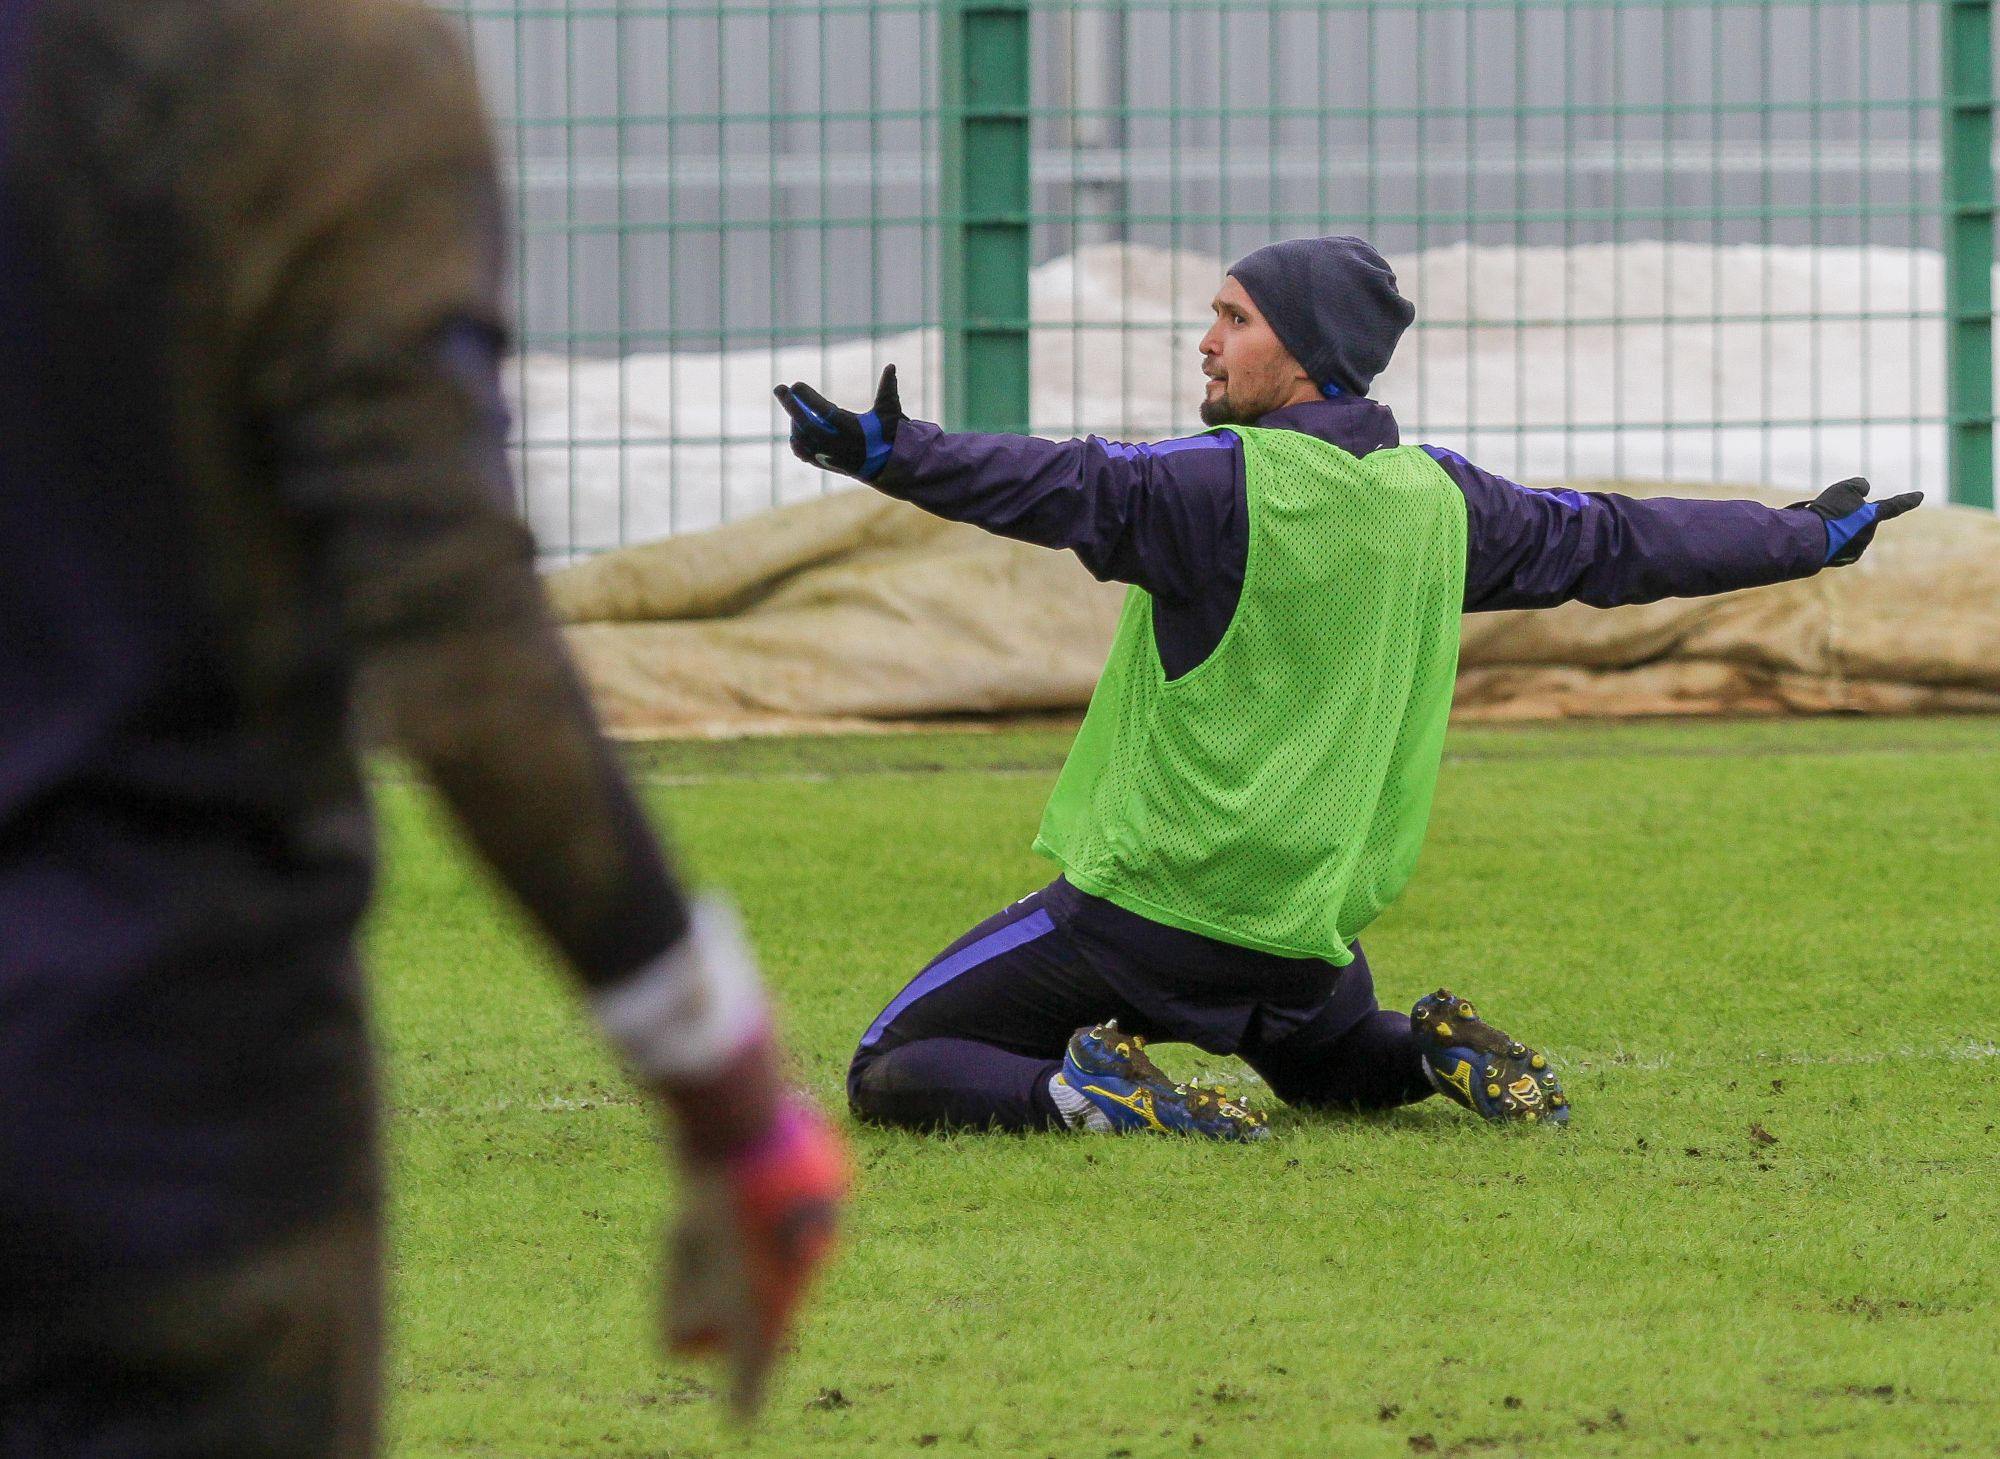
(839, 440)
(1851, 518)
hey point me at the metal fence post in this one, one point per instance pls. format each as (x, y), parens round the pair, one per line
(986, 206)
(1968, 248)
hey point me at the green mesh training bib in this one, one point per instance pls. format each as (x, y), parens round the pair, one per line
(1275, 796)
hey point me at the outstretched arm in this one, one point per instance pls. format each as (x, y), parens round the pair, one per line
(372, 357)
(1534, 549)
(1162, 515)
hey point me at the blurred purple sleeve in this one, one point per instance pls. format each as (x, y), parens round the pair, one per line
(1535, 549)
(1166, 516)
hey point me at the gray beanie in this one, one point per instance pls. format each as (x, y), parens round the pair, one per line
(1332, 302)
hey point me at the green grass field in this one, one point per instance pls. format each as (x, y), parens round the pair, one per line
(1721, 932)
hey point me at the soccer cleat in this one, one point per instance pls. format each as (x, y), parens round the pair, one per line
(1496, 1077)
(1109, 1067)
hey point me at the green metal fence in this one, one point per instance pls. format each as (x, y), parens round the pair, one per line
(1744, 242)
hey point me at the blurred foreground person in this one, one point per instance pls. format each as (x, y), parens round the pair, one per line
(1252, 783)
(251, 445)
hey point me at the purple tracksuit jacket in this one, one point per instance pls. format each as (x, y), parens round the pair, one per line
(1173, 518)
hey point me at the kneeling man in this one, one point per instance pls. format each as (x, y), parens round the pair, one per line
(1250, 787)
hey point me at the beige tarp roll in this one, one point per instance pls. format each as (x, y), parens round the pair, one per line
(855, 610)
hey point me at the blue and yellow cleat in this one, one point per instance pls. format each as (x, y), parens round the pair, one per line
(1109, 1067)
(1496, 1077)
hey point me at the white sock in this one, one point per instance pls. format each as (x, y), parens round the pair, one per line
(1076, 1108)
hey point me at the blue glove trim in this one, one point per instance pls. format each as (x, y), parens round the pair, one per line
(878, 449)
(814, 416)
(1842, 530)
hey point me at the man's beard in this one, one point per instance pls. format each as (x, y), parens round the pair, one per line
(1221, 412)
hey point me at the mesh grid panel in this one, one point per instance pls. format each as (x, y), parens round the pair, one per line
(1648, 241)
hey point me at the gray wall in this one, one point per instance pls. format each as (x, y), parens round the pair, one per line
(691, 173)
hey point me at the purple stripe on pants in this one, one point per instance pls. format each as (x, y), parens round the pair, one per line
(946, 968)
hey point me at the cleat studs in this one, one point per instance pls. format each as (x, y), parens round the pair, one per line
(1443, 1030)
(1538, 1062)
(1492, 1091)
(1557, 1100)
(1491, 1071)
(1516, 1050)
(1531, 1117)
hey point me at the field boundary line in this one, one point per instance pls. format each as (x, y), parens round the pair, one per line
(682, 779)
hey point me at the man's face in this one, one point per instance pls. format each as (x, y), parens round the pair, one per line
(1250, 372)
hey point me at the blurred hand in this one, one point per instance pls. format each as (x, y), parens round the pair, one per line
(824, 435)
(1851, 518)
(755, 1226)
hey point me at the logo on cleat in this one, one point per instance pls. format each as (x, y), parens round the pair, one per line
(1526, 1090)
(1460, 1078)
(1139, 1101)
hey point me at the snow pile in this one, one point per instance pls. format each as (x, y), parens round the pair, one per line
(1784, 367)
